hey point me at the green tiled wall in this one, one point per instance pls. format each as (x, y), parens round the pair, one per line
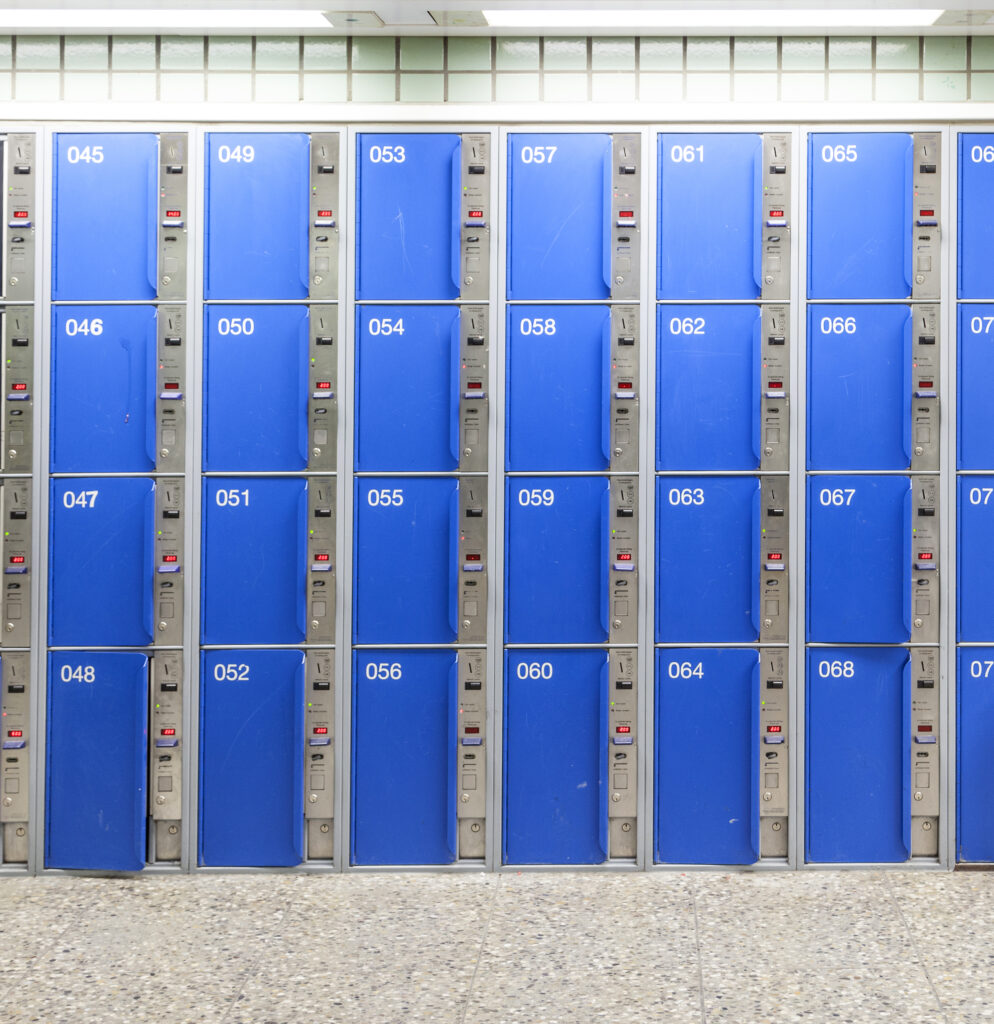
(292, 69)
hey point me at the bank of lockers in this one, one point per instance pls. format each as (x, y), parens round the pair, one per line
(975, 372)
(974, 752)
(975, 219)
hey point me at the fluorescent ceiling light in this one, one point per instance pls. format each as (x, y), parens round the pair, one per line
(173, 18)
(736, 18)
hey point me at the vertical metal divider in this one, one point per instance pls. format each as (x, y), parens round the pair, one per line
(797, 601)
(647, 507)
(39, 504)
(346, 443)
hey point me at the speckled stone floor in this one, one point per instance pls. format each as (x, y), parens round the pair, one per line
(840, 947)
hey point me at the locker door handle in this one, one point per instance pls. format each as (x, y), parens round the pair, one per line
(455, 255)
(152, 221)
(151, 356)
(756, 527)
(608, 192)
(603, 762)
(906, 567)
(452, 765)
(605, 559)
(454, 367)
(304, 199)
(909, 215)
(906, 757)
(906, 388)
(757, 387)
(304, 380)
(299, 735)
(754, 770)
(302, 562)
(606, 389)
(757, 219)
(454, 561)
(148, 556)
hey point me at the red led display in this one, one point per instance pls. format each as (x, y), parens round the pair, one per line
(774, 384)
(625, 556)
(324, 213)
(17, 559)
(174, 213)
(476, 213)
(774, 556)
(472, 730)
(925, 556)
(626, 213)
(475, 385)
(927, 213)
(924, 728)
(925, 383)
(16, 733)
(320, 730)
(624, 385)
(168, 732)
(624, 729)
(323, 385)
(322, 556)
(774, 728)
(172, 385)
(776, 213)
(19, 387)
(170, 558)
(20, 214)
(473, 558)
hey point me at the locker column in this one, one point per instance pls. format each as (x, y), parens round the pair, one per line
(421, 513)
(118, 383)
(872, 498)
(723, 355)
(269, 499)
(571, 493)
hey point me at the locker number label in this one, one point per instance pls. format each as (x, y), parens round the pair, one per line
(685, 670)
(77, 674)
(981, 495)
(79, 499)
(85, 154)
(836, 495)
(235, 154)
(839, 154)
(386, 326)
(231, 497)
(235, 325)
(384, 670)
(537, 325)
(687, 325)
(687, 154)
(836, 669)
(534, 670)
(231, 672)
(838, 325)
(538, 154)
(74, 327)
(536, 496)
(981, 324)
(686, 496)
(387, 154)
(981, 669)
(982, 154)
(385, 496)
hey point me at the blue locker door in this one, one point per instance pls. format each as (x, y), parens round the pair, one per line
(95, 791)
(858, 788)
(103, 389)
(708, 381)
(707, 715)
(976, 216)
(707, 559)
(258, 195)
(859, 559)
(975, 754)
(859, 387)
(405, 709)
(555, 580)
(405, 551)
(555, 757)
(558, 388)
(975, 559)
(559, 217)
(253, 583)
(100, 562)
(255, 388)
(710, 190)
(975, 385)
(105, 223)
(409, 196)
(251, 758)
(859, 215)
(407, 388)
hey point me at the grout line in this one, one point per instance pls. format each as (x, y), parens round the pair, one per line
(697, 948)
(483, 943)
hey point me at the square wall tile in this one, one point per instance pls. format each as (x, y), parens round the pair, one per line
(855, 87)
(373, 54)
(850, 53)
(564, 55)
(517, 54)
(898, 87)
(517, 88)
(35, 53)
(617, 87)
(425, 88)
(181, 87)
(709, 88)
(181, 53)
(945, 53)
(661, 55)
(277, 53)
(6, 52)
(230, 87)
(274, 88)
(660, 88)
(421, 53)
(35, 86)
(756, 87)
(469, 88)
(563, 87)
(133, 53)
(374, 88)
(707, 54)
(755, 54)
(322, 52)
(945, 88)
(133, 86)
(613, 54)
(86, 53)
(468, 53)
(982, 53)
(229, 53)
(802, 87)
(981, 86)
(326, 87)
(803, 54)
(85, 86)
(897, 53)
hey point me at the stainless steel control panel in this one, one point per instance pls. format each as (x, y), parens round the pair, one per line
(474, 518)
(924, 542)
(474, 389)
(924, 372)
(775, 384)
(20, 171)
(774, 726)
(474, 217)
(18, 389)
(776, 216)
(622, 783)
(774, 570)
(322, 409)
(471, 811)
(926, 200)
(16, 547)
(319, 754)
(16, 706)
(321, 519)
(624, 384)
(171, 391)
(165, 754)
(924, 753)
(623, 524)
(325, 215)
(170, 560)
(174, 213)
(626, 218)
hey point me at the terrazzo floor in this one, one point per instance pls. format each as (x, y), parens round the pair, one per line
(542, 948)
